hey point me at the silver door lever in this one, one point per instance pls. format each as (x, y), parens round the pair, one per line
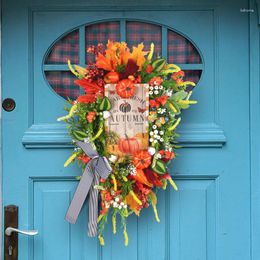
(10, 230)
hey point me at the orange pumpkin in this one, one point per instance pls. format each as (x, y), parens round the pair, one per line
(111, 77)
(125, 88)
(142, 159)
(128, 145)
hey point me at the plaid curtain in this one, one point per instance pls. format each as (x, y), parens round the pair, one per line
(62, 82)
(180, 50)
(101, 33)
(192, 75)
(66, 48)
(137, 32)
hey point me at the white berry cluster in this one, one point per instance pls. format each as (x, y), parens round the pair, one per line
(161, 110)
(154, 90)
(156, 135)
(168, 147)
(117, 204)
(86, 140)
(77, 149)
(131, 169)
(168, 92)
(158, 156)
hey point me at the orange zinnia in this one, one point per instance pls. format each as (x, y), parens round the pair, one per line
(142, 159)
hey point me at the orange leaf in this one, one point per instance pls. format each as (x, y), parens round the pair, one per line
(138, 55)
(133, 205)
(103, 62)
(140, 177)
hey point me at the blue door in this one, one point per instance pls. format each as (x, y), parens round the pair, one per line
(209, 217)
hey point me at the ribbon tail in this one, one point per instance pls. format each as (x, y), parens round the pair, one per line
(79, 196)
(93, 208)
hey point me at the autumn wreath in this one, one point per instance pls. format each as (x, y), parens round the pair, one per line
(128, 113)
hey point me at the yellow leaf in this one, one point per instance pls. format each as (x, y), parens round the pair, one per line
(82, 72)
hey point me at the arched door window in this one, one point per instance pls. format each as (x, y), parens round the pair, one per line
(73, 45)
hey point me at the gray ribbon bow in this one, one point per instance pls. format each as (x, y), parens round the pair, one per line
(97, 167)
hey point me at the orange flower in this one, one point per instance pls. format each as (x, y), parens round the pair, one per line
(138, 55)
(103, 62)
(155, 81)
(162, 99)
(177, 75)
(124, 53)
(142, 159)
(117, 53)
(91, 116)
(166, 155)
(84, 158)
(149, 69)
(88, 98)
(111, 77)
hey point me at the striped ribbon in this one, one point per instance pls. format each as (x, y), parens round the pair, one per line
(97, 167)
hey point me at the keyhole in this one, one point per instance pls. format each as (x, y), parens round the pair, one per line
(10, 250)
(8, 104)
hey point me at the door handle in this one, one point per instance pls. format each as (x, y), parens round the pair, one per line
(10, 230)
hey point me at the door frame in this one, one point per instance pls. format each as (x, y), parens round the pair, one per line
(1, 157)
(254, 98)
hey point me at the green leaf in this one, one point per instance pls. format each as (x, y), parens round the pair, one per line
(179, 95)
(159, 167)
(105, 104)
(158, 64)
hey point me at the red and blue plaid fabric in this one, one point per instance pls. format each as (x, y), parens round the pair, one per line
(192, 75)
(181, 50)
(101, 33)
(66, 48)
(62, 82)
(137, 32)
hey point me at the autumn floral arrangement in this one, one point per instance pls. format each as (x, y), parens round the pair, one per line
(139, 166)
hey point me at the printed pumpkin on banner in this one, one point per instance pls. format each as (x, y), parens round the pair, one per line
(124, 129)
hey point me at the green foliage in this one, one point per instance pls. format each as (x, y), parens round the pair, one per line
(159, 166)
